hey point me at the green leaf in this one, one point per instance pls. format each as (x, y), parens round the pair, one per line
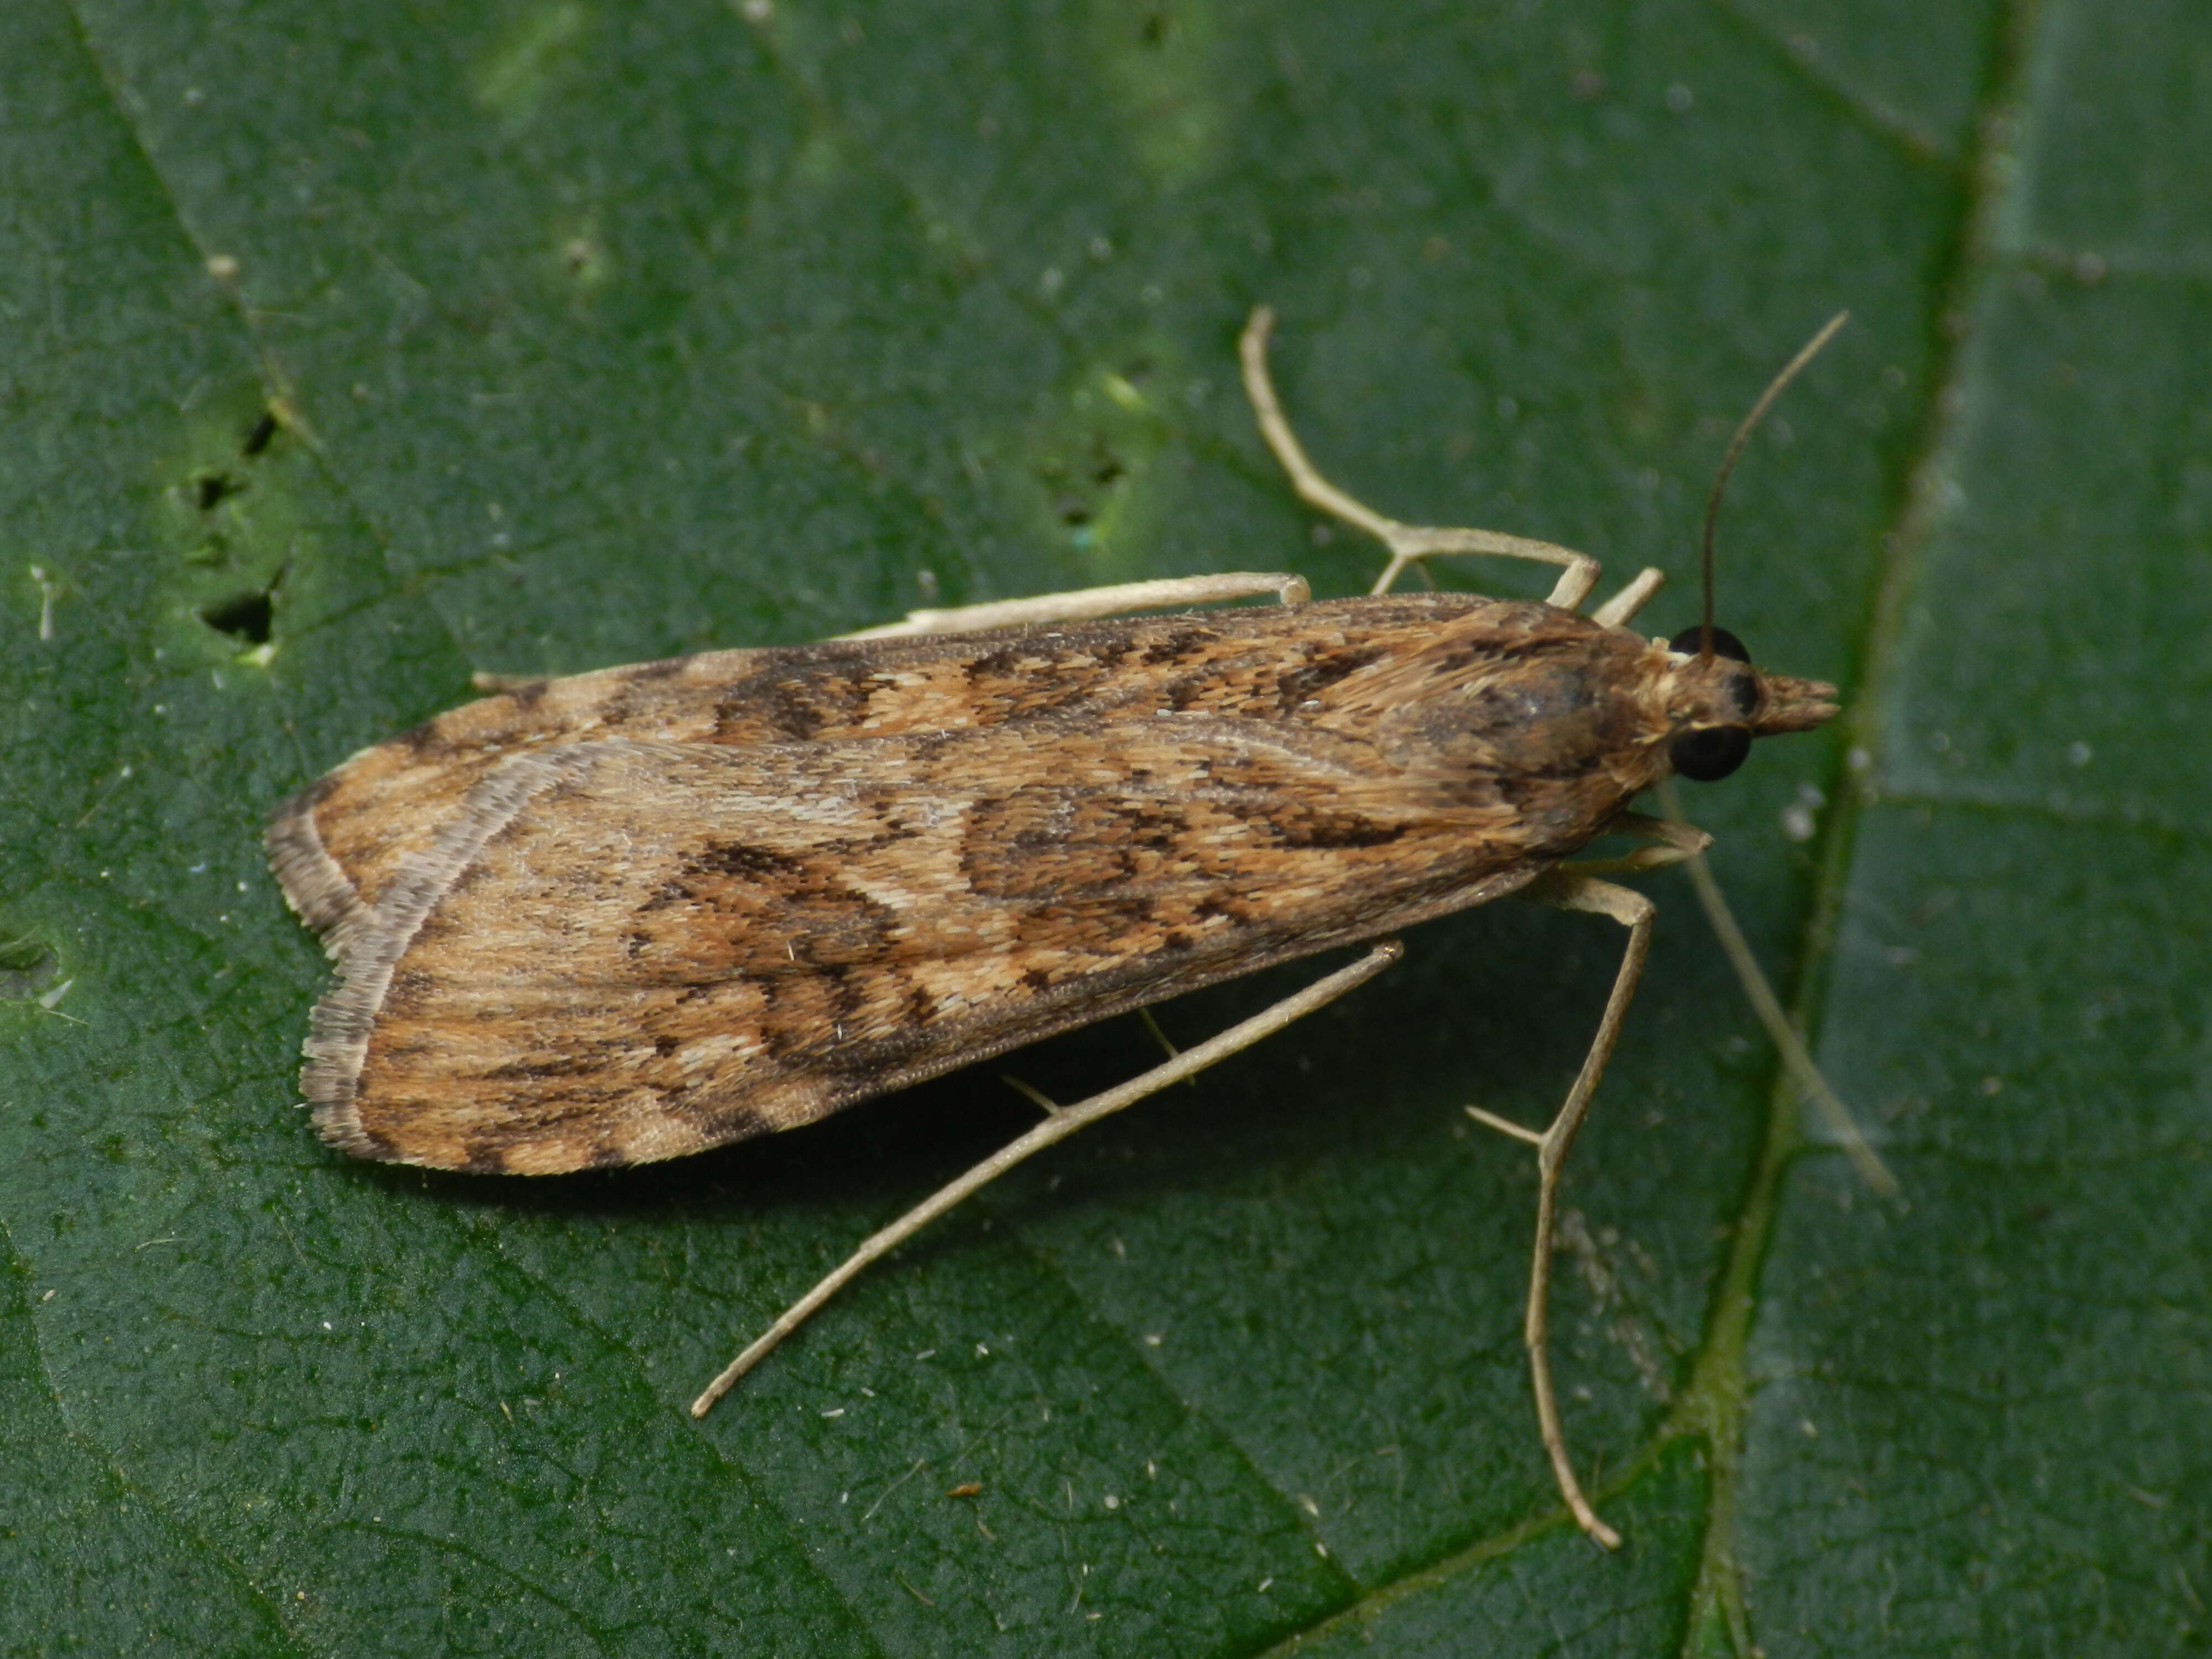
(594, 334)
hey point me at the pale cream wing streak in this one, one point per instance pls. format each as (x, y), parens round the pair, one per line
(376, 938)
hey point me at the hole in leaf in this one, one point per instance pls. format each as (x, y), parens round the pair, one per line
(246, 617)
(258, 440)
(211, 490)
(26, 965)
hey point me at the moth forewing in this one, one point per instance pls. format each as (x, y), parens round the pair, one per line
(627, 915)
(889, 859)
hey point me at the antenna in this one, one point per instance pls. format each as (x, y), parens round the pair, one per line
(1774, 389)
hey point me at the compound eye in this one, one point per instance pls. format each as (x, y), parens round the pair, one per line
(1743, 689)
(1725, 644)
(1709, 753)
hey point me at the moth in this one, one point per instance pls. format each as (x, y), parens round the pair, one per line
(627, 916)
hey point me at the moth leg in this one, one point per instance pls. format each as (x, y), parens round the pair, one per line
(1631, 599)
(1408, 543)
(1060, 1123)
(1088, 602)
(1570, 888)
(1678, 843)
(1673, 841)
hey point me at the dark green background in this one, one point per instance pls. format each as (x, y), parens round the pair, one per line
(606, 332)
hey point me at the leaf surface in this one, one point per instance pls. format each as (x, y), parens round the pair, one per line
(597, 334)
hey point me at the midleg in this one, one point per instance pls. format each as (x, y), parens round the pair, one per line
(1408, 543)
(1673, 842)
(1571, 888)
(1060, 1123)
(1631, 599)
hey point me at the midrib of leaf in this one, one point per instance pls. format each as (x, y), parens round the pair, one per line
(1713, 1405)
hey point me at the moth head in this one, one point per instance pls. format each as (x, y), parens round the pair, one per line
(1717, 702)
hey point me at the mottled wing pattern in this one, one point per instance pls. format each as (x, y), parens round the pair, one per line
(634, 915)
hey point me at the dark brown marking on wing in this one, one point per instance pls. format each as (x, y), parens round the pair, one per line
(580, 1063)
(1320, 828)
(801, 704)
(1321, 669)
(425, 743)
(487, 1156)
(745, 862)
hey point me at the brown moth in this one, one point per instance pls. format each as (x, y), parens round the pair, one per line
(627, 915)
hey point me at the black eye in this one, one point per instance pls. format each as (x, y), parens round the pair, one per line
(1725, 644)
(1709, 751)
(1743, 689)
